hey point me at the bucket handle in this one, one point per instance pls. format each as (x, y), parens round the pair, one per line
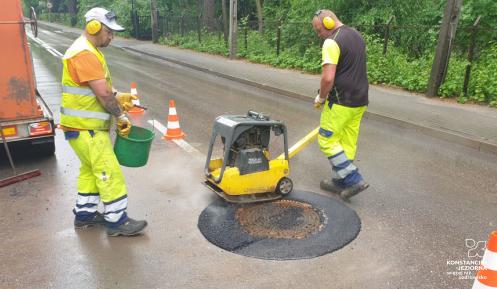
(153, 125)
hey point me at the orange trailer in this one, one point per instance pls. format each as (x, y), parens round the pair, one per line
(24, 115)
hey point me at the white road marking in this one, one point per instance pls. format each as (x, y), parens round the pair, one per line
(180, 142)
(47, 47)
(159, 126)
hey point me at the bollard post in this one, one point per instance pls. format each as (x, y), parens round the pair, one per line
(199, 30)
(471, 49)
(245, 38)
(387, 34)
(154, 21)
(182, 28)
(278, 38)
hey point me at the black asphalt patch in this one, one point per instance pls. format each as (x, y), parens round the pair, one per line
(340, 225)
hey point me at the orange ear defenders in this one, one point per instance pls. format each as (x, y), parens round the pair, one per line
(93, 27)
(328, 22)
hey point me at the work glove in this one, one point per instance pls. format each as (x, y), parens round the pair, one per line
(126, 100)
(318, 101)
(123, 125)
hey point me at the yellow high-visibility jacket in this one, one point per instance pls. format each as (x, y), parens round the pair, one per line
(80, 107)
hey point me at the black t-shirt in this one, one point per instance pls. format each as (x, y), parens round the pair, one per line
(351, 79)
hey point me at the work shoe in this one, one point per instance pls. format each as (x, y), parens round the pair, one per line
(330, 186)
(129, 228)
(353, 190)
(96, 220)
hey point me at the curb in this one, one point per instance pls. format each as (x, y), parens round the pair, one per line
(58, 26)
(476, 144)
(479, 145)
(226, 76)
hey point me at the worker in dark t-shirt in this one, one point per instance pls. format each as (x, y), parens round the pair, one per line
(343, 95)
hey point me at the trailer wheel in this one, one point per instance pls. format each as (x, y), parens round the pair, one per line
(285, 186)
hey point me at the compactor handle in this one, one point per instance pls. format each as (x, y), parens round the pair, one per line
(256, 115)
(301, 144)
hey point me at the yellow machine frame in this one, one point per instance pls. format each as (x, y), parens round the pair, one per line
(235, 184)
(258, 186)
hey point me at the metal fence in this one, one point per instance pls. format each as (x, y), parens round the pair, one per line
(142, 28)
(63, 18)
(415, 40)
(280, 34)
(277, 36)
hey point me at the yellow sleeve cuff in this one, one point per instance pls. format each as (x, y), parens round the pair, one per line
(330, 52)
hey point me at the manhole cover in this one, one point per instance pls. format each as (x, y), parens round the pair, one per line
(303, 225)
(287, 219)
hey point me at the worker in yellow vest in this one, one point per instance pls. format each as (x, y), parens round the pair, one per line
(344, 97)
(89, 102)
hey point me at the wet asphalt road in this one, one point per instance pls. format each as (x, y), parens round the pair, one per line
(427, 196)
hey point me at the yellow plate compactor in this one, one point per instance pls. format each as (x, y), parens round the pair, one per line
(245, 174)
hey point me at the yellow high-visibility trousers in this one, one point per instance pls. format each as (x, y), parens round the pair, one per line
(100, 177)
(340, 127)
(337, 139)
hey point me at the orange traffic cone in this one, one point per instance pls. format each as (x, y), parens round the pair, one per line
(135, 101)
(173, 129)
(487, 276)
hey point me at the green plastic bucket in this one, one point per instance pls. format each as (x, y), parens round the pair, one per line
(133, 151)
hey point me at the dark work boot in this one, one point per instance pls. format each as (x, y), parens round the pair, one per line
(330, 186)
(129, 228)
(353, 190)
(96, 220)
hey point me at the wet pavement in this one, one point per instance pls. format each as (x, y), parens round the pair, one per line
(471, 125)
(427, 196)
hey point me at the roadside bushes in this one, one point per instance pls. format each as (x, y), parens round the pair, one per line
(395, 68)
(483, 84)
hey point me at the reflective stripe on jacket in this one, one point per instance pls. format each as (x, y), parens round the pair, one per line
(80, 107)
